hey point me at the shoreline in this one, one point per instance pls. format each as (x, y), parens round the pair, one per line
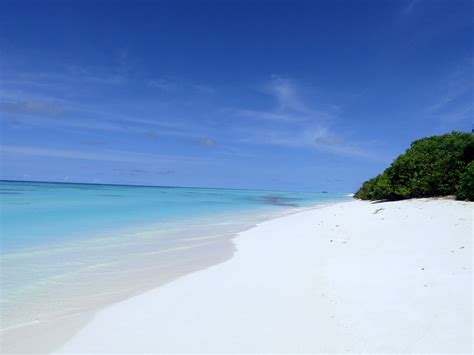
(47, 334)
(354, 276)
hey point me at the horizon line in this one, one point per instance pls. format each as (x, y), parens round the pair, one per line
(162, 186)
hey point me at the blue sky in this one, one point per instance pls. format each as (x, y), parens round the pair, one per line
(288, 95)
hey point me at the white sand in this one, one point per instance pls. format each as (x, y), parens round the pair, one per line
(399, 280)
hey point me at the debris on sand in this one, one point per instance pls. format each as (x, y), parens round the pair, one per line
(378, 210)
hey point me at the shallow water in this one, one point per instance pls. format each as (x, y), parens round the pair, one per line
(72, 248)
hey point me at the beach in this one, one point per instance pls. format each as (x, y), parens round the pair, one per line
(88, 246)
(236, 177)
(351, 277)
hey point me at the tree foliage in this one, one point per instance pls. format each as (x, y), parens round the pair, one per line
(432, 166)
(466, 184)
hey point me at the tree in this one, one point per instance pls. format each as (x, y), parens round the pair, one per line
(432, 166)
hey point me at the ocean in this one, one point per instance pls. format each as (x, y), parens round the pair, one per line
(70, 248)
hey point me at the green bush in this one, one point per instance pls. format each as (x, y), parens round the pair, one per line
(466, 184)
(430, 167)
(366, 190)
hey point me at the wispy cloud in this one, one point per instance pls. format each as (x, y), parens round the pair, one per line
(139, 172)
(106, 155)
(458, 114)
(98, 75)
(174, 85)
(68, 77)
(93, 142)
(74, 94)
(59, 153)
(162, 84)
(267, 115)
(329, 140)
(206, 142)
(117, 73)
(295, 123)
(32, 107)
(318, 138)
(286, 93)
(454, 95)
(44, 111)
(291, 120)
(409, 7)
(204, 88)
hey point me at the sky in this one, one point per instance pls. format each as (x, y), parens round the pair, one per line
(278, 95)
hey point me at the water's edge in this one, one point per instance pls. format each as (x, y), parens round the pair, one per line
(46, 336)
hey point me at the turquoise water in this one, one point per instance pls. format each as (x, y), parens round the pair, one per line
(38, 213)
(71, 248)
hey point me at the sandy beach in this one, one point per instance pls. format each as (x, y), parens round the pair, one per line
(352, 277)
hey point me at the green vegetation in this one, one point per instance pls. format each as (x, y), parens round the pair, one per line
(465, 190)
(434, 166)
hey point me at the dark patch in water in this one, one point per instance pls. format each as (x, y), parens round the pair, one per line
(278, 201)
(87, 188)
(191, 193)
(10, 193)
(111, 195)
